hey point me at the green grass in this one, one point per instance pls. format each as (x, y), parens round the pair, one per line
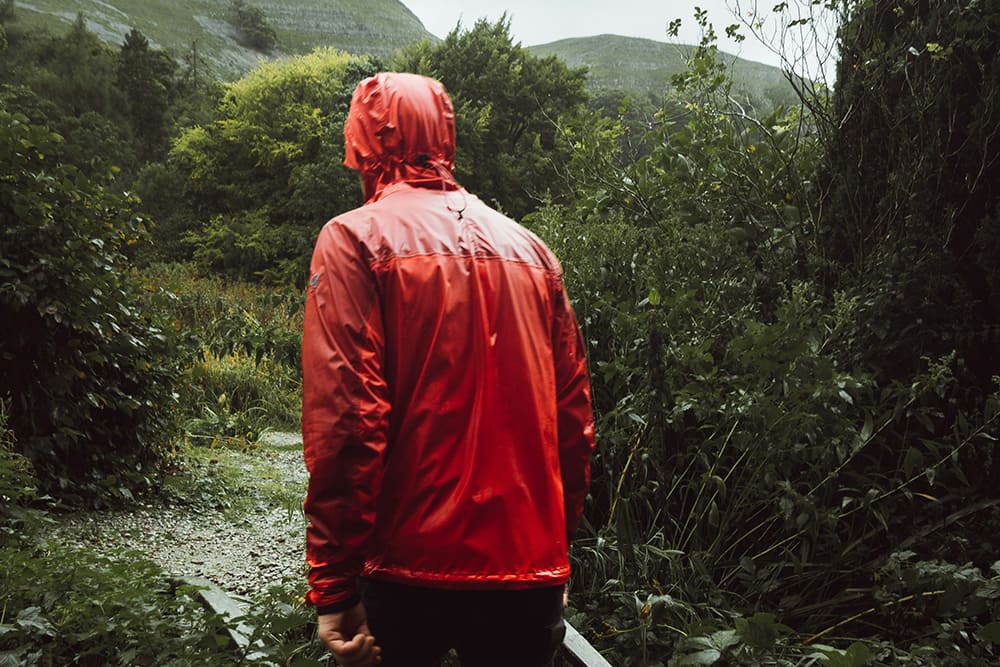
(375, 27)
(645, 67)
(232, 478)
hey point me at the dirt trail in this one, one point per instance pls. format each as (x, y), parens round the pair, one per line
(242, 554)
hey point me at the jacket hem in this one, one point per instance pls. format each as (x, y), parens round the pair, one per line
(510, 581)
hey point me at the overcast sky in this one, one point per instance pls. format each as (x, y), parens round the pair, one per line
(540, 21)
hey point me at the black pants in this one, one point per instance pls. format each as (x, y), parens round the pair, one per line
(416, 627)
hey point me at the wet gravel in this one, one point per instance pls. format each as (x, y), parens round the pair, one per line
(243, 554)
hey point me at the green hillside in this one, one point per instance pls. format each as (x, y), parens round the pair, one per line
(359, 26)
(645, 66)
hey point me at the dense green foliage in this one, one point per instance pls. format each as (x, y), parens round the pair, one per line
(147, 78)
(86, 373)
(766, 445)
(260, 179)
(68, 84)
(251, 26)
(114, 107)
(790, 315)
(922, 82)
(508, 104)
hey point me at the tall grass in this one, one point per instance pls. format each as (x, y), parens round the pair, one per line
(244, 370)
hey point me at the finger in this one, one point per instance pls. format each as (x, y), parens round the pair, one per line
(367, 655)
(355, 649)
(369, 660)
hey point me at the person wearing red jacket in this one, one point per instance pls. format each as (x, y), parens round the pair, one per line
(446, 415)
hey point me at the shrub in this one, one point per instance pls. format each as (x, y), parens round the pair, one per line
(246, 374)
(751, 458)
(88, 375)
(264, 175)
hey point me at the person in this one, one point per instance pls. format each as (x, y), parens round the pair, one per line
(446, 415)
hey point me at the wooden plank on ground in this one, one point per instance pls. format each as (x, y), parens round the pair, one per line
(579, 651)
(219, 602)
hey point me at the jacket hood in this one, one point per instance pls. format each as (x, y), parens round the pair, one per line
(401, 128)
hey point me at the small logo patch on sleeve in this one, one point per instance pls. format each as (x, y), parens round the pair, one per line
(314, 281)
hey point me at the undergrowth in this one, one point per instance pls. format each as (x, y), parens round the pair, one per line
(244, 373)
(231, 476)
(64, 604)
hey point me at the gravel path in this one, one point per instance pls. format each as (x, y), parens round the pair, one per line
(242, 555)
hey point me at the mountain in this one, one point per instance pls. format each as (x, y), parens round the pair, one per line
(642, 67)
(375, 27)
(645, 66)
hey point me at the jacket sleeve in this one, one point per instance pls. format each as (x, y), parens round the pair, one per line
(575, 415)
(345, 411)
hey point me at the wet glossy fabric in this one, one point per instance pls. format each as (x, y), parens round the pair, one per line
(387, 146)
(446, 407)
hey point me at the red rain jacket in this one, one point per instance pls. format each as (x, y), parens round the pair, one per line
(446, 412)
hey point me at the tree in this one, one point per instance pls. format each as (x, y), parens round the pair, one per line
(252, 26)
(146, 77)
(68, 83)
(6, 14)
(265, 173)
(508, 105)
(912, 176)
(84, 69)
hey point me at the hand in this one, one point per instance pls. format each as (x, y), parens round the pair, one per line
(347, 636)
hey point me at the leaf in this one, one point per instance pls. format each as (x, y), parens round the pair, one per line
(913, 460)
(654, 296)
(760, 630)
(858, 655)
(284, 624)
(31, 619)
(724, 639)
(990, 633)
(637, 418)
(707, 657)
(713, 515)
(867, 429)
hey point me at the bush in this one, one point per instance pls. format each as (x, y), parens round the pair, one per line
(66, 605)
(750, 460)
(247, 373)
(264, 175)
(87, 373)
